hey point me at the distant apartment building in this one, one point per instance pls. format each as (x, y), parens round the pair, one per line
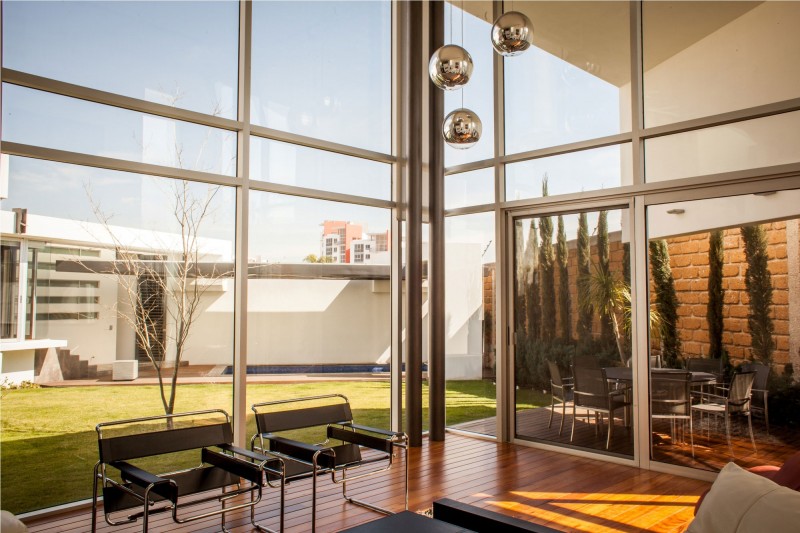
(345, 242)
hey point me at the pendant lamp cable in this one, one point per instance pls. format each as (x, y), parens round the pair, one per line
(462, 46)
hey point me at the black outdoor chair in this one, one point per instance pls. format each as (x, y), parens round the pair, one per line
(759, 394)
(592, 392)
(670, 398)
(131, 492)
(561, 391)
(337, 454)
(735, 401)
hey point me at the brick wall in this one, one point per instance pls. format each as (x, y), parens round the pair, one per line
(689, 262)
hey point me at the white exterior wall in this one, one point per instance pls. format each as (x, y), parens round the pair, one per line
(463, 311)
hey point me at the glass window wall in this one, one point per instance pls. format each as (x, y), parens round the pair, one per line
(319, 303)
(121, 268)
(470, 346)
(574, 83)
(724, 338)
(181, 54)
(324, 72)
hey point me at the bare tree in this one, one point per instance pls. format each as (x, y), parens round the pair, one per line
(162, 291)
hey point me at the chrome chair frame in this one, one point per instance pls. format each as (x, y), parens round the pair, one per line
(300, 460)
(737, 400)
(222, 465)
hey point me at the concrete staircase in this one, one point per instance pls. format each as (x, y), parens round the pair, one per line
(73, 367)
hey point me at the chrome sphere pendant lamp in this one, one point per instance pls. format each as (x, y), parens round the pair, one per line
(450, 68)
(462, 128)
(512, 33)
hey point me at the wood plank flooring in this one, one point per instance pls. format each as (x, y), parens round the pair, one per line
(711, 450)
(564, 492)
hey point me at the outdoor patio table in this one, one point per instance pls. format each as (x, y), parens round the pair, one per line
(623, 373)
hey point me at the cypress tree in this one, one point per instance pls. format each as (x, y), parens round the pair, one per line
(547, 271)
(626, 276)
(564, 300)
(716, 294)
(532, 297)
(758, 282)
(585, 311)
(666, 301)
(520, 312)
(606, 330)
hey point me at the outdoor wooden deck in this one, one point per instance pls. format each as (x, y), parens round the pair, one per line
(710, 447)
(565, 492)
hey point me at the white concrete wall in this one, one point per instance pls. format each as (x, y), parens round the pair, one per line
(463, 311)
(95, 340)
(17, 366)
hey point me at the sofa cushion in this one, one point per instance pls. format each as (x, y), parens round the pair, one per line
(789, 474)
(741, 502)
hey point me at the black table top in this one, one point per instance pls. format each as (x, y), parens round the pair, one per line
(623, 373)
(406, 522)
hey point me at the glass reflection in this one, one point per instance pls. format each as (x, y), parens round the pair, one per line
(721, 286)
(572, 340)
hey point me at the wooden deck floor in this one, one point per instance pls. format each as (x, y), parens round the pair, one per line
(565, 492)
(711, 450)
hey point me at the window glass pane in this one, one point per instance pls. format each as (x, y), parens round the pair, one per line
(323, 70)
(574, 83)
(44, 119)
(291, 164)
(762, 142)
(571, 328)
(470, 366)
(724, 286)
(183, 54)
(319, 305)
(600, 168)
(476, 22)
(705, 58)
(469, 188)
(107, 243)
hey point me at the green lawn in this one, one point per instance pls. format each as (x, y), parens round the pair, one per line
(49, 445)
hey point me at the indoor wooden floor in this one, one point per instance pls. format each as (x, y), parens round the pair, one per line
(564, 492)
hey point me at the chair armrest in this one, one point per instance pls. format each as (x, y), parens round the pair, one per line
(350, 435)
(252, 472)
(299, 451)
(717, 397)
(160, 485)
(375, 430)
(235, 450)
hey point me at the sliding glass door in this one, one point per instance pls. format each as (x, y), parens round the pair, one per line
(571, 311)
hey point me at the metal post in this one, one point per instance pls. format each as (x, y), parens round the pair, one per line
(436, 261)
(414, 243)
(242, 235)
